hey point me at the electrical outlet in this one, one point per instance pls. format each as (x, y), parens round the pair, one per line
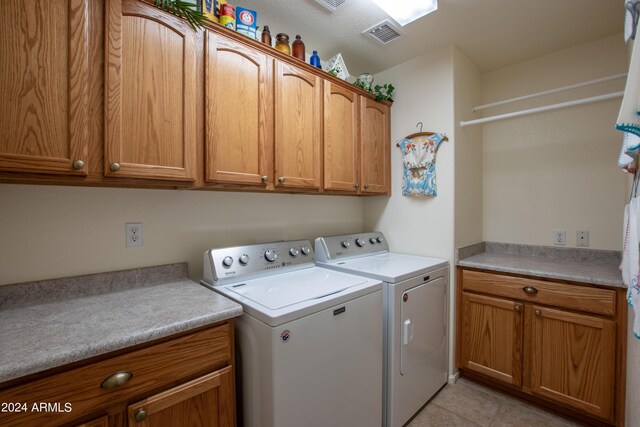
(559, 237)
(582, 238)
(133, 232)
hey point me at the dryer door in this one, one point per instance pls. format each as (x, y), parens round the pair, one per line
(423, 325)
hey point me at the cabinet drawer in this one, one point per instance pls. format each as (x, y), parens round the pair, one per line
(583, 298)
(151, 368)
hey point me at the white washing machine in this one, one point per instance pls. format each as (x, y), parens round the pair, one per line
(415, 316)
(309, 343)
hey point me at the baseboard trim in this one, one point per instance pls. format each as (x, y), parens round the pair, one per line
(453, 378)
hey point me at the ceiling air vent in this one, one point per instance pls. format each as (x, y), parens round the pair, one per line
(384, 32)
(332, 5)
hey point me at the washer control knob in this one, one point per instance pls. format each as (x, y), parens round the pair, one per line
(244, 259)
(359, 242)
(380, 239)
(227, 261)
(293, 252)
(372, 240)
(345, 244)
(305, 250)
(270, 255)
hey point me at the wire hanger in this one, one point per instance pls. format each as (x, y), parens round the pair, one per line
(421, 133)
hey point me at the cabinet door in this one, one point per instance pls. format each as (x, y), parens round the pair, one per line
(298, 122)
(207, 401)
(239, 113)
(98, 422)
(150, 121)
(341, 138)
(492, 337)
(572, 359)
(44, 51)
(375, 141)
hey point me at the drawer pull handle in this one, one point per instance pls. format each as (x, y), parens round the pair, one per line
(264, 178)
(115, 167)
(530, 290)
(78, 165)
(140, 415)
(281, 180)
(115, 380)
(517, 309)
(538, 313)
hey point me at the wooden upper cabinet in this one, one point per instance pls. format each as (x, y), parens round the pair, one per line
(206, 402)
(298, 127)
(375, 143)
(341, 138)
(44, 51)
(573, 360)
(239, 113)
(492, 332)
(150, 97)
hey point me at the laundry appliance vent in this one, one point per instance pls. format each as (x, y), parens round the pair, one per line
(384, 32)
(332, 5)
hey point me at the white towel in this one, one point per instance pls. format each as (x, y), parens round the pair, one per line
(630, 260)
(629, 152)
(629, 117)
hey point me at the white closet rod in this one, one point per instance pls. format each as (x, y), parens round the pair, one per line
(550, 91)
(544, 108)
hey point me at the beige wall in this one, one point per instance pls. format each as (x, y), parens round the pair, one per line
(555, 169)
(48, 232)
(421, 226)
(468, 152)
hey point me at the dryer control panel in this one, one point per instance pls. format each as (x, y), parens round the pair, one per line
(350, 245)
(235, 263)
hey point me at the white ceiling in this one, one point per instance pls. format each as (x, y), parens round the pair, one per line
(492, 33)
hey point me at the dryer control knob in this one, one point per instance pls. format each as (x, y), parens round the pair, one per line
(380, 239)
(244, 259)
(293, 252)
(372, 240)
(345, 244)
(359, 242)
(305, 250)
(270, 255)
(227, 261)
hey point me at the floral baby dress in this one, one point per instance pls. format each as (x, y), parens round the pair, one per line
(419, 161)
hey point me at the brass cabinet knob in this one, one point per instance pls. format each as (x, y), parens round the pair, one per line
(115, 380)
(264, 178)
(366, 186)
(537, 313)
(115, 167)
(140, 415)
(281, 179)
(517, 309)
(78, 165)
(530, 290)
(357, 186)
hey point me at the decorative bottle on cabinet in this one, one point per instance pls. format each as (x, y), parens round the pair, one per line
(266, 35)
(282, 43)
(298, 48)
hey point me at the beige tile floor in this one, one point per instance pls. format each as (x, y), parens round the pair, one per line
(467, 404)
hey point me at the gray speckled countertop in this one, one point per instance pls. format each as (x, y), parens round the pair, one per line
(56, 331)
(590, 266)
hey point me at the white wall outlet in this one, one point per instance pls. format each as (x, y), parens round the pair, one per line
(133, 232)
(559, 237)
(582, 238)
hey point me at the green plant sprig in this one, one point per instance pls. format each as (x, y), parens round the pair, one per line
(185, 10)
(382, 93)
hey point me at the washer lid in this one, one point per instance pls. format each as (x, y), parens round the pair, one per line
(288, 289)
(390, 267)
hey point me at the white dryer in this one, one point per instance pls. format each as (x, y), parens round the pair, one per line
(415, 316)
(309, 343)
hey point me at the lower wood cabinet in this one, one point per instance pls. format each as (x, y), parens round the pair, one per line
(188, 380)
(492, 334)
(204, 402)
(556, 343)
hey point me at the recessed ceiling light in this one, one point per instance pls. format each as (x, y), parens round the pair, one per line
(405, 11)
